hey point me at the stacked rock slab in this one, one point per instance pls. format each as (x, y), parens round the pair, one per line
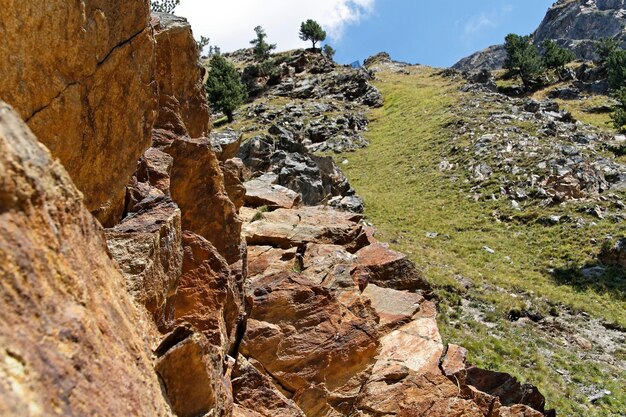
(82, 75)
(72, 342)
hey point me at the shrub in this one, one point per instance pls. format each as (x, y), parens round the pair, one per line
(164, 6)
(260, 47)
(555, 56)
(223, 85)
(523, 58)
(619, 115)
(329, 51)
(312, 31)
(605, 48)
(616, 68)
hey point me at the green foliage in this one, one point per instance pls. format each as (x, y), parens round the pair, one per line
(605, 48)
(616, 67)
(224, 87)
(523, 58)
(329, 51)
(260, 47)
(555, 56)
(312, 31)
(202, 43)
(619, 116)
(164, 6)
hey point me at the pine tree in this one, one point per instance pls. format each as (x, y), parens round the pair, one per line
(164, 6)
(223, 85)
(312, 31)
(523, 58)
(260, 47)
(555, 56)
(329, 51)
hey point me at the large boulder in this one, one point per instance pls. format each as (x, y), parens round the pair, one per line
(72, 343)
(85, 85)
(183, 107)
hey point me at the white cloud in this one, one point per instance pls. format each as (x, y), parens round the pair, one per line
(476, 24)
(230, 23)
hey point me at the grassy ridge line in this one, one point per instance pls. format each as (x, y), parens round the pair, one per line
(407, 196)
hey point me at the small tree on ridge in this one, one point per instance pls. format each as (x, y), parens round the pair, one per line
(223, 85)
(164, 6)
(260, 47)
(312, 31)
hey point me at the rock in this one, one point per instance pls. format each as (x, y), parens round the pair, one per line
(257, 393)
(155, 168)
(183, 107)
(377, 264)
(262, 191)
(308, 341)
(197, 186)
(147, 246)
(210, 296)
(392, 306)
(491, 58)
(614, 254)
(85, 87)
(72, 341)
(565, 93)
(291, 228)
(193, 376)
(350, 203)
(233, 170)
(454, 360)
(226, 143)
(266, 260)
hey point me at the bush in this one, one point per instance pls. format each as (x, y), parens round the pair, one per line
(164, 6)
(312, 31)
(260, 47)
(605, 48)
(555, 56)
(523, 58)
(329, 51)
(619, 115)
(223, 85)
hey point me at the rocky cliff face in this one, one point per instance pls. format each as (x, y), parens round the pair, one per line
(166, 311)
(576, 24)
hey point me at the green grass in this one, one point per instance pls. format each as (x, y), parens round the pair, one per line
(407, 196)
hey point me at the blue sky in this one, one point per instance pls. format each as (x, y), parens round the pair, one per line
(436, 33)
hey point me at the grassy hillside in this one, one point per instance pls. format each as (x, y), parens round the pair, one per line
(486, 269)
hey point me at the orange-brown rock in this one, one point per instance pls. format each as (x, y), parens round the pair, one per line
(289, 228)
(85, 86)
(392, 306)
(183, 107)
(147, 246)
(256, 393)
(266, 260)
(309, 342)
(197, 186)
(72, 343)
(195, 375)
(390, 269)
(155, 168)
(210, 296)
(233, 181)
(263, 192)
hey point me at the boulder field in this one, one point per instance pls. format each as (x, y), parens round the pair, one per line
(139, 279)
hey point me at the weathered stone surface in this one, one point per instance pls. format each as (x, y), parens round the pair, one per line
(307, 340)
(155, 168)
(147, 246)
(226, 143)
(454, 361)
(614, 253)
(263, 192)
(72, 341)
(266, 260)
(256, 393)
(289, 228)
(85, 86)
(233, 181)
(192, 370)
(183, 108)
(210, 296)
(197, 186)
(392, 306)
(389, 269)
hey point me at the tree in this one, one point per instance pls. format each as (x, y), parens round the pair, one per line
(619, 115)
(312, 31)
(202, 43)
(164, 6)
(329, 51)
(224, 87)
(605, 48)
(616, 68)
(555, 56)
(522, 58)
(260, 47)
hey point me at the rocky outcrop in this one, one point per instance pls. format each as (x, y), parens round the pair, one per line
(85, 86)
(69, 332)
(575, 24)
